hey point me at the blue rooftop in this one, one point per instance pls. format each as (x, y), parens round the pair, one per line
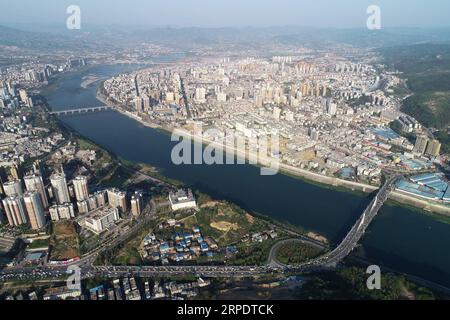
(385, 133)
(423, 177)
(420, 190)
(33, 256)
(96, 289)
(447, 194)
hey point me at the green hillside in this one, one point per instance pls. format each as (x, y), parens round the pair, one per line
(427, 69)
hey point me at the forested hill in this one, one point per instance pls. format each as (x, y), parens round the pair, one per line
(427, 69)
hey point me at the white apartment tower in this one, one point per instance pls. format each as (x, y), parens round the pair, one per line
(13, 188)
(59, 188)
(80, 186)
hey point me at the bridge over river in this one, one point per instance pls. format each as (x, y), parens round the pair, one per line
(328, 260)
(356, 232)
(80, 110)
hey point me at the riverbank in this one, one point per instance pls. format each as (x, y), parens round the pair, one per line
(245, 154)
(308, 176)
(150, 173)
(401, 237)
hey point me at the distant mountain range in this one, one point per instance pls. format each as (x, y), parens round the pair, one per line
(117, 36)
(42, 41)
(366, 38)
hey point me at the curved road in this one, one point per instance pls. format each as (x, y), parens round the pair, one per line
(327, 260)
(272, 260)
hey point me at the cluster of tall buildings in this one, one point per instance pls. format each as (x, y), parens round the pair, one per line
(11, 97)
(92, 202)
(76, 62)
(142, 104)
(316, 89)
(277, 94)
(427, 146)
(31, 205)
(22, 207)
(28, 201)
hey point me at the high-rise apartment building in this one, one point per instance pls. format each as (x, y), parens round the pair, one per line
(421, 144)
(433, 148)
(59, 188)
(276, 113)
(80, 185)
(331, 107)
(138, 104)
(13, 188)
(200, 95)
(34, 183)
(15, 210)
(117, 199)
(137, 204)
(35, 209)
(23, 96)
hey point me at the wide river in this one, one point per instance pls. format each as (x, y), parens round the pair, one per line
(399, 238)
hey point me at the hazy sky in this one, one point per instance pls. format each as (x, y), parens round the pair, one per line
(217, 13)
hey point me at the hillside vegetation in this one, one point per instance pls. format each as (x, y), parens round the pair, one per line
(427, 70)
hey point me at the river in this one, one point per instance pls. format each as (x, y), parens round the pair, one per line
(399, 238)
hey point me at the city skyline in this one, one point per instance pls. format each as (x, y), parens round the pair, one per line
(224, 150)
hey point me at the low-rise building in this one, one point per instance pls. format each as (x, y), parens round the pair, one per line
(102, 220)
(61, 293)
(62, 212)
(182, 200)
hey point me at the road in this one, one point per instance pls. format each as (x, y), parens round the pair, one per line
(273, 262)
(186, 103)
(354, 235)
(327, 260)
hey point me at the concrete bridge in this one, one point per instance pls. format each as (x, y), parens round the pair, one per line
(328, 260)
(355, 234)
(80, 110)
